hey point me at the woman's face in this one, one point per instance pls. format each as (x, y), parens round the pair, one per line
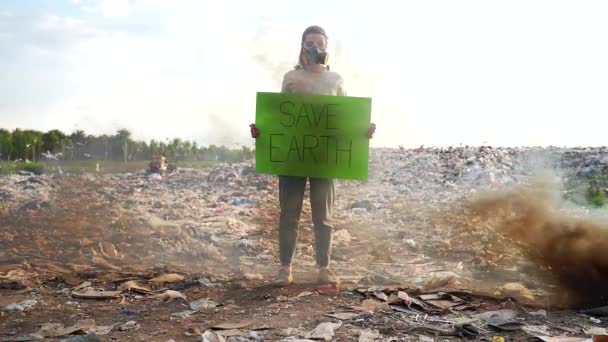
(314, 39)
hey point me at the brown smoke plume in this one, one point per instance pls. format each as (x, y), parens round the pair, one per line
(574, 249)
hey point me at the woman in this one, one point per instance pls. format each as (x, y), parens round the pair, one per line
(310, 77)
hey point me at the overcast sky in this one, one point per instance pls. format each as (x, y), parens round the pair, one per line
(439, 72)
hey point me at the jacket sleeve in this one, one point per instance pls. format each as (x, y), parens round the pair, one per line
(285, 86)
(341, 91)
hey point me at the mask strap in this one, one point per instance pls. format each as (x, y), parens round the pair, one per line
(303, 58)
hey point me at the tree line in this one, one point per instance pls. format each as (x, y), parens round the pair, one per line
(35, 145)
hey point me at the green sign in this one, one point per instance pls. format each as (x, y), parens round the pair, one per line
(314, 136)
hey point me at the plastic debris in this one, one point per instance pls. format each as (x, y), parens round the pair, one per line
(130, 325)
(171, 295)
(21, 306)
(82, 338)
(167, 278)
(183, 314)
(515, 290)
(324, 331)
(201, 304)
(210, 336)
(368, 335)
(233, 325)
(90, 293)
(134, 286)
(241, 201)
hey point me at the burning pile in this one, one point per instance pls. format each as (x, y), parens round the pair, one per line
(571, 248)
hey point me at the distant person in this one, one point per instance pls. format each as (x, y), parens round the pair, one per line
(310, 77)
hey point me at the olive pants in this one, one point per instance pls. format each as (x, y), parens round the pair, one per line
(291, 197)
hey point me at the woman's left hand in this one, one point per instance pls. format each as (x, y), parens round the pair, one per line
(371, 130)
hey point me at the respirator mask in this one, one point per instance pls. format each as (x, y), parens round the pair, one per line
(313, 54)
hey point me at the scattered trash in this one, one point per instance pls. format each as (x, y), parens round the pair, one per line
(381, 295)
(251, 336)
(538, 313)
(442, 300)
(82, 338)
(282, 299)
(170, 295)
(561, 339)
(324, 331)
(423, 338)
(201, 304)
(210, 336)
(467, 330)
(204, 281)
(343, 316)
(368, 335)
(130, 325)
(103, 263)
(155, 176)
(21, 306)
(253, 276)
(241, 201)
(399, 298)
(51, 330)
(595, 331)
(189, 220)
(134, 286)
(230, 333)
(440, 282)
(167, 278)
(101, 329)
(91, 293)
(243, 245)
(183, 314)
(364, 204)
(304, 294)
(371, 305)
(601, 311)
(82, 286)
(503, 320)
(504, 325)
(127, 312)
(515, 290)
(57, 330)
(35, 205)
(328, 290)
(535, 330)
(504, 314)
(341, 235)
(410, 242)
(233, 325)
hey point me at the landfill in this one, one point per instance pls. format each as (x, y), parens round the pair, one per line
(438, 244)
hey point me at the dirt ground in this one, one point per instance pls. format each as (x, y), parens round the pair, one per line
(408, 274)
(265, 309)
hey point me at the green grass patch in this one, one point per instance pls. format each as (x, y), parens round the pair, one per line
(196, 164)
(8, 168)
(596, 197)
(90, 166)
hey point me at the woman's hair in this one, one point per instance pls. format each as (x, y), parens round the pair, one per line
(313, 30)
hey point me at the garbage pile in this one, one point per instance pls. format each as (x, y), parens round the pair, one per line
(459, 170)
(223, 219)
(113, 221)
(203, 243)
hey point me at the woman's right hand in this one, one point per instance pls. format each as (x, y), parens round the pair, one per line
(255, 132)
